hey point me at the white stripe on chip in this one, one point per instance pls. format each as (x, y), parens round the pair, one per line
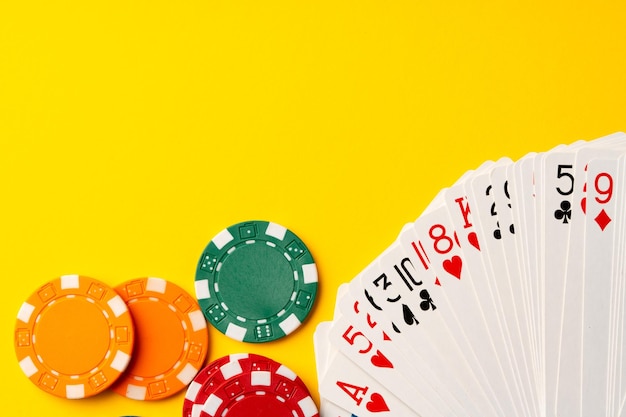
(192, 391)
(186, 374)
(290, 324)
(310, 273)
(75, 391)
(287, 373)
(231, 369)
(276, 230)
(222, 239)
(69, 281)
(236, 332)
(120, 362)
(198, 322)
(117, 305)
(25, 312)
(136, 392)
(28, 366)
(158, 285)
(212, 404)
(308, 407)
(263, 378)
(202, 289)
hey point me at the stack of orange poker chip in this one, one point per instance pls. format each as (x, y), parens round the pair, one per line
(171, 339)
(74, 337)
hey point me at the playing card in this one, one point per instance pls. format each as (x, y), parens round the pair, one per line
(555, 208)
(600, 226)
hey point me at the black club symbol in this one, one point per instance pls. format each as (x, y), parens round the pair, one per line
(428, 301)
(565, 212)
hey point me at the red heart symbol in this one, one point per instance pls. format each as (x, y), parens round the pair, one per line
(377, 403)
(381, 360)
(473, 240)
(453, 266)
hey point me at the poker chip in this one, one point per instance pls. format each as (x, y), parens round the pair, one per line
(171, 339)
(256, 281)
(74, 337)
(247, 385)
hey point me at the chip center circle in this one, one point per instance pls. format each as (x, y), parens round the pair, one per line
(72, 336)
(255, 281)
(159, 338)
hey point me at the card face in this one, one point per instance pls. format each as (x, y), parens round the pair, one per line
(556, 209)
(600, 229)
(506, 296)
(570, 352)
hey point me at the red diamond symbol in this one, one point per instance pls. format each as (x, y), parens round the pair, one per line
(602, 219)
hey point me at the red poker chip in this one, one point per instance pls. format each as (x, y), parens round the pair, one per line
(211, 377)
(248, 385)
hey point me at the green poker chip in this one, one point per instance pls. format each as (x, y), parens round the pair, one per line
(256, 281)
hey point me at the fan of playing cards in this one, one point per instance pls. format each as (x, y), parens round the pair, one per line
(506, 297)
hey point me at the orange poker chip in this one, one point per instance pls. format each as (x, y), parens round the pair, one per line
(171, 339)
(74, 337)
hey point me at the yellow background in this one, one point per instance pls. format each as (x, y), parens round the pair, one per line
(131, 132)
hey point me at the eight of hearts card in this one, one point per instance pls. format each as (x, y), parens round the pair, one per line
(506, 297)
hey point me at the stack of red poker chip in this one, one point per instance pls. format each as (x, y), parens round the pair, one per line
(247, 385)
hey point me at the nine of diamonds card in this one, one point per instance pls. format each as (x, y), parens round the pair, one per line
(506, 297)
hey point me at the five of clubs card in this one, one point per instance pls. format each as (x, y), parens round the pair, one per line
(506, 297)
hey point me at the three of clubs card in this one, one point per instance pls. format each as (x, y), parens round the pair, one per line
(506, 297)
